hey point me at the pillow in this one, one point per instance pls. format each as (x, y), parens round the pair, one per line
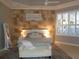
(27, 44)
(35, 35)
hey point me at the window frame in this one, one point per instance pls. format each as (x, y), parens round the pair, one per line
(75, 23)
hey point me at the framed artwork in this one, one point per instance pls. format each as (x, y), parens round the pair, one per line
(34, 17)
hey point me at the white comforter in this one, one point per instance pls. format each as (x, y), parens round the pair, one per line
(34, 48)
(26, 44)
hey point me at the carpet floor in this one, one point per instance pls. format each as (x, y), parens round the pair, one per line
(57, 53)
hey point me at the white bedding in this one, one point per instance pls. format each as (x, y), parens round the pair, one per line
(26, 44)
(27, 49)
(37, 52)
(34, 45)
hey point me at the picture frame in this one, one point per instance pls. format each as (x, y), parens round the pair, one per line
(34, 17)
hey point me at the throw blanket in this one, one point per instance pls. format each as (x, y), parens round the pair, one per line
(25, 43)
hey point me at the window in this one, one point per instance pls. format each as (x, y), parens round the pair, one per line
(78, 17)
(77, 25)
(65, 23)
(72, 22)
(77, 30)
(68, 23)
(59, 23)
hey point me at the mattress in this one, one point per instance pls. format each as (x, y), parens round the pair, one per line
(37, 52)
(35, 48)
(40, 42)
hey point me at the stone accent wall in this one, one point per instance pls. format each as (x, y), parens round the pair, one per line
(20, 22)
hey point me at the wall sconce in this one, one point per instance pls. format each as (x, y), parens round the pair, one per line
(23, 33)
(46, 33)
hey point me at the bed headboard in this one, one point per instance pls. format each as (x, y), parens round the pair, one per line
(36, 33)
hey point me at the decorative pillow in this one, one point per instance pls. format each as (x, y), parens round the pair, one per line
(27, 44)
(35, 35)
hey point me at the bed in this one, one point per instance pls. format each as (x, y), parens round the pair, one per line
(35, 44)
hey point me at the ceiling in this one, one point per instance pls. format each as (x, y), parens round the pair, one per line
(42, 2)
(39, 4)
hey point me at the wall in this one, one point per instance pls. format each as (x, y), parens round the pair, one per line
(68, 40)
(4, 12)
(5, 16)
(2, 40)
(20, 22)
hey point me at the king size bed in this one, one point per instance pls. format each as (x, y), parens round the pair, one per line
(34, 44)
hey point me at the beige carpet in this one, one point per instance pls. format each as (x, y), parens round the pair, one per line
(57, 53)
(72, 51)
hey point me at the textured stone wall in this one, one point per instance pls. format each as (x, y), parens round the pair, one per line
(20, 22)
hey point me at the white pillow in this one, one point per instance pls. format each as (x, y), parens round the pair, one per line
(36, 35)
(27, 44)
